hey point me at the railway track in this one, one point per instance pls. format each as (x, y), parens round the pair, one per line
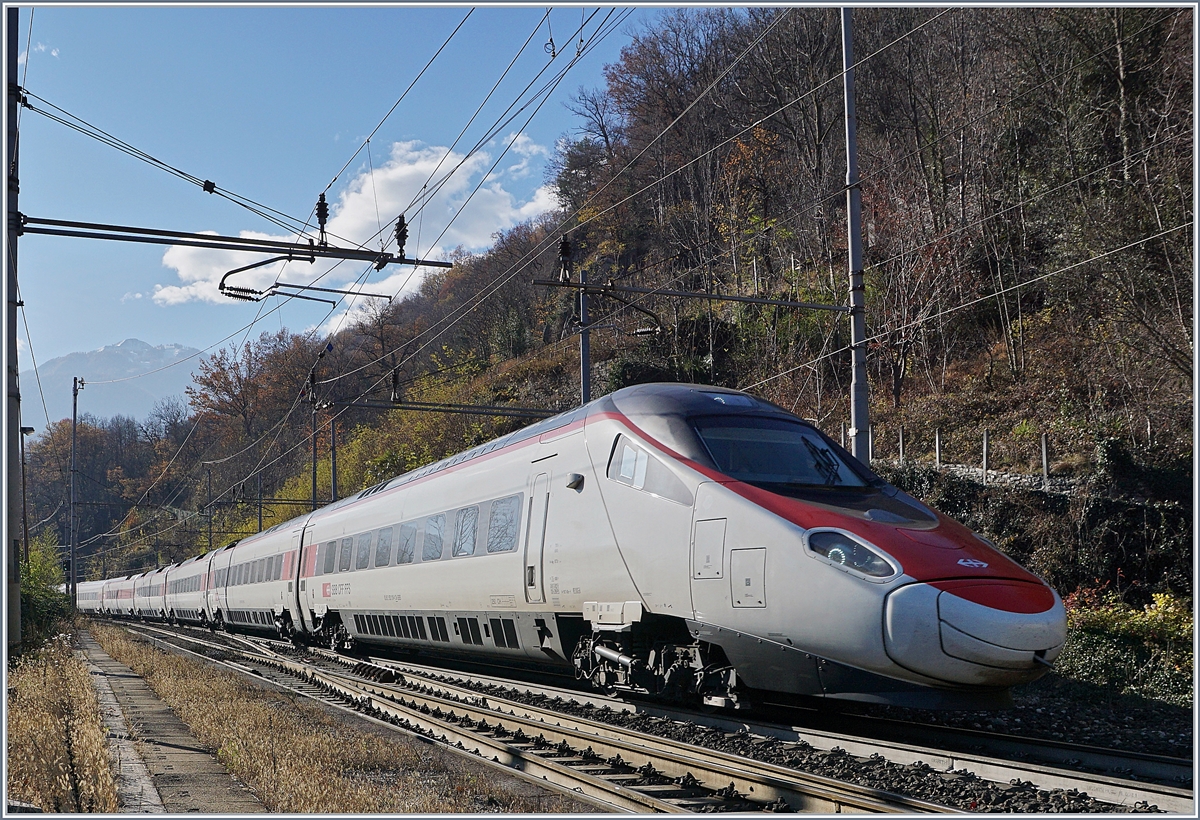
(445, 701)
(1122, 779)
(609, 767)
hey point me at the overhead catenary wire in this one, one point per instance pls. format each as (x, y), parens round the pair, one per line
(1021, 284)
(128, 149)
(524, 260)
(404, 94)
(414, 353)
(104, 137)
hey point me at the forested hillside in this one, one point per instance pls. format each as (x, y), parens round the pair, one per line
(1027, 188)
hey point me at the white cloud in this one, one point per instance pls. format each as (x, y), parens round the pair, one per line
(130, 295)
(39, 48)
(356, 218)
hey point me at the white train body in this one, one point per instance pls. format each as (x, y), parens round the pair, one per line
(647, 541)
(88, 595)
(187, 584)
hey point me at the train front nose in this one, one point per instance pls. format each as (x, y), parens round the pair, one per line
(980, 632)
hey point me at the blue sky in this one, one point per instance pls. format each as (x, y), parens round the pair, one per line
(269, 103)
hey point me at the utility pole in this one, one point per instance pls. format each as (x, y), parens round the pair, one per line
(333, 456)
(260, 502)
(76, 386)
(859, 395)
(208, 507)
(12, 416)
(24, 505)
(585, 353)
(312, 399)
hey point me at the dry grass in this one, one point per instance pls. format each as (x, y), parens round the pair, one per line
(299, 758)
(57, 757)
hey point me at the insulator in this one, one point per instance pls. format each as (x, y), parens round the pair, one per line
(564, 258)
(322, 215)
(401, 236)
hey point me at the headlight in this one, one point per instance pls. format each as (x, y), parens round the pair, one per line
(839, 548)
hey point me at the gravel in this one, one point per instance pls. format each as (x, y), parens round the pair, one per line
(1047, 711)
(1054, 708)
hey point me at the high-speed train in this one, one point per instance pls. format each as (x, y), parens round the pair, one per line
(676, 540)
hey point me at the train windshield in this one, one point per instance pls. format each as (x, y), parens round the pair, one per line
(775, 453)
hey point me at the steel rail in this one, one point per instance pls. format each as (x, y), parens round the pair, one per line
(1099, 785)
(307, 689)
(760, 782)
(438, 716)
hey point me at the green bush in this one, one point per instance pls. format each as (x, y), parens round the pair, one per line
(1143, 651)
(43, 607)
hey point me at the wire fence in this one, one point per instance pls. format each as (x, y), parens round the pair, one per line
(1026, 462)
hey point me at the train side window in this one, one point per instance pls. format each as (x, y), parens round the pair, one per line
(435, 527)
(407, 545)
(275, 576)
(383, 548)
(330, 556)
(347, 555)
(634, 467)
(466, 527)
(504, 522)
(364, 551)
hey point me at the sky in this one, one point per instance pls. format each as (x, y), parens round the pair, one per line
(271, 103)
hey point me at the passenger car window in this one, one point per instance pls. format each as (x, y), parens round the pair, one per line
(330, 557)
(347, 555)
(503, 524)
(407, 545)
(435, 527)
(364, 551)
(383, 548)
(466, 526)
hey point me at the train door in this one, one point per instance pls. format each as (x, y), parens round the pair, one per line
(289, 593)
(306, 593)
(535, 537)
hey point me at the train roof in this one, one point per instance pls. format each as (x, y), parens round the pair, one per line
(660, 409)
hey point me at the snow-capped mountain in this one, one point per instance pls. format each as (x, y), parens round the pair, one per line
(161, 371)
